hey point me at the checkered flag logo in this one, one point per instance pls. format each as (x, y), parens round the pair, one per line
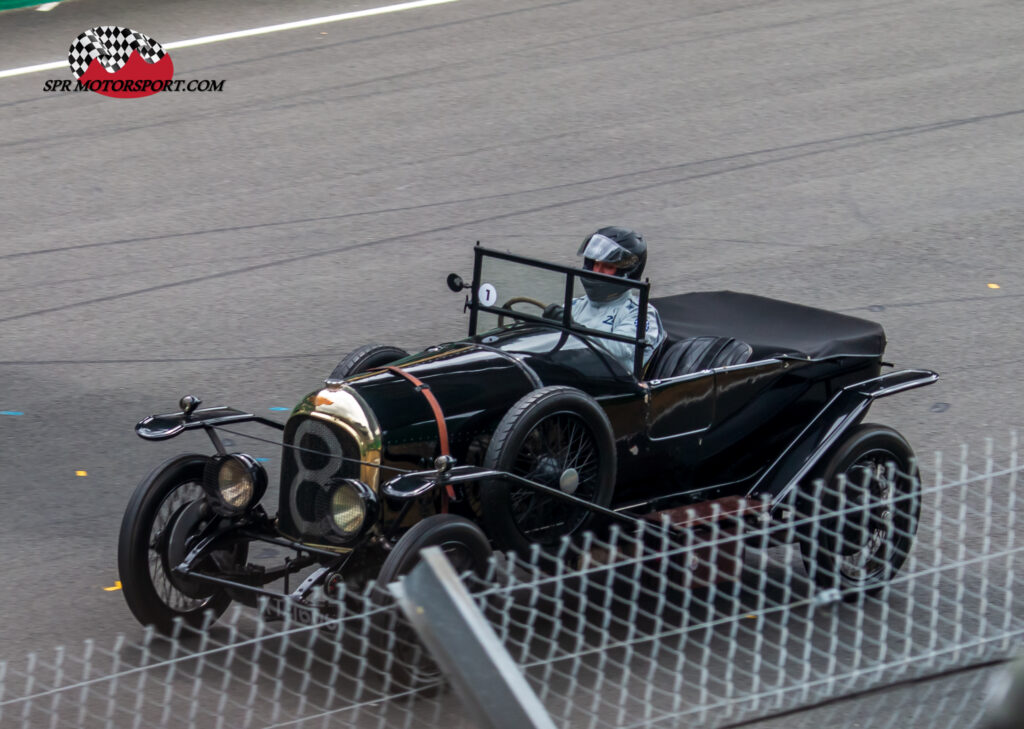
(113, 47)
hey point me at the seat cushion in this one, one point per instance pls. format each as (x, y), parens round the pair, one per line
(699, 353)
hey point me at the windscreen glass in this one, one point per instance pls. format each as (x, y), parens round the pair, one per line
(599, 306)
(516, 289)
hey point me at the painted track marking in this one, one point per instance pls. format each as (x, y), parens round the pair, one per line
(47, 7)
(352, 15)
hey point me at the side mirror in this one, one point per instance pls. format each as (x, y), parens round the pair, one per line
(455, 282)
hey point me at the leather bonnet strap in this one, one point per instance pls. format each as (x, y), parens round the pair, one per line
(435, 406)
(442, 428)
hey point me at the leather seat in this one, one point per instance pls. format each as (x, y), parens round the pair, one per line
(699, 353)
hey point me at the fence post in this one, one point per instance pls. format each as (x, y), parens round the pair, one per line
(490, 685)
(1005, 703)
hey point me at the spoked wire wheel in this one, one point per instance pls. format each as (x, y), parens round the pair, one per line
(165, 505)
(870, 531)
(558, 437)
(559, 452)
(170, 509)
(860, 526)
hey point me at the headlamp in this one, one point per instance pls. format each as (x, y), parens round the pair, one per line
(233, 483)
(352, 508)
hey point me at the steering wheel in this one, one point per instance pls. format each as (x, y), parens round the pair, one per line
(519, 300)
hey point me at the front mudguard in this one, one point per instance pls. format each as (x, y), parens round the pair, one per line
(168, 425)
(826, 429)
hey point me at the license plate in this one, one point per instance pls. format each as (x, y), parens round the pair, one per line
(277, 607)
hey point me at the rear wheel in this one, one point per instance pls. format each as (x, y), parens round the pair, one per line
(866, 524)
(559, 437)
(366, 358)
(166, 510)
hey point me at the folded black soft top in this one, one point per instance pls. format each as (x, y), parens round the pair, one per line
(770, 326)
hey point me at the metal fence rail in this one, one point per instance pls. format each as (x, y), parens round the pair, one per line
(244, 672)
(700, 627)
(663, 637)
(949, 701)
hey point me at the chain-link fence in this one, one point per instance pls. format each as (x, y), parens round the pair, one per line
(713, 617)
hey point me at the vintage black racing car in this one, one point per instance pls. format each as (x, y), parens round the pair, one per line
(526, 432)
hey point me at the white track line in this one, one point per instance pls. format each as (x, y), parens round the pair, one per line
(47, 7)
(254, 31)
(33, 69)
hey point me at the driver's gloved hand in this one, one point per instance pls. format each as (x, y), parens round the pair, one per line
(553, 311)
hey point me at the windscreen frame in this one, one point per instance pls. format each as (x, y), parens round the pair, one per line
(643, 289)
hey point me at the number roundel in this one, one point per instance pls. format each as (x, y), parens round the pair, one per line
(487, 295)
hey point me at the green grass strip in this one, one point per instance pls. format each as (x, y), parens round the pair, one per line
(11, 4)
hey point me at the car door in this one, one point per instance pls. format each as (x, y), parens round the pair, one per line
(681, 407)
(679, 412)
(759, 406)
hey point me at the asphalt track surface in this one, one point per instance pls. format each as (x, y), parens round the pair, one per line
(864, 157)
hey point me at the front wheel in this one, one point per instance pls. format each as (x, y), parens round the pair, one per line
(865, 515)
(468, 550)
(366, 358)
(170, 498)
(559, 437)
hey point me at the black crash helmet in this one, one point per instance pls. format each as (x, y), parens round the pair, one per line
(625, 249)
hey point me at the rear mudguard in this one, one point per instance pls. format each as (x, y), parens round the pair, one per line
(842, 412)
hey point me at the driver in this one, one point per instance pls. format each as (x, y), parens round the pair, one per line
(616, 252)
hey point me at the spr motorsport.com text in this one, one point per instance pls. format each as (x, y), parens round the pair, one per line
(134, 85)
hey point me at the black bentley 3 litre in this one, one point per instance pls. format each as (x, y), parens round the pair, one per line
(526, 432)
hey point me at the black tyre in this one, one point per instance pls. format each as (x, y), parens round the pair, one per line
(467, 548)
(559, 437)
(864, 531)
(153, 595)
(463, 542)
(366, 358)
